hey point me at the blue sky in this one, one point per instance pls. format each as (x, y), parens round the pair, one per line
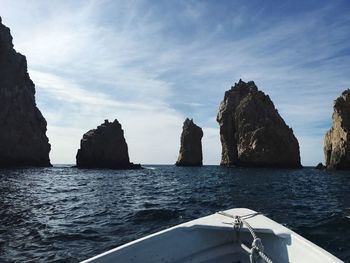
(151, 64)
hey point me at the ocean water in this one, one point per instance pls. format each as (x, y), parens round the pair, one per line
(64, 214)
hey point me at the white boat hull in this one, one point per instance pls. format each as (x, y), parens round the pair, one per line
(213, 239)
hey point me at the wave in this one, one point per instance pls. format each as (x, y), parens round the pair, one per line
(152, 215)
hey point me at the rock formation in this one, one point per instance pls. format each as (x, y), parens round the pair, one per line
(105, 147)
(320, 166)
(191, 145)
(337, 140)
(23, 140)
(252, 132)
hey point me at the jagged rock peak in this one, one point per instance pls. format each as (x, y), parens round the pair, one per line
(252, 132)
(23, 128)
(105, 147)
(189, 122)
(191, 145)
(336, 141)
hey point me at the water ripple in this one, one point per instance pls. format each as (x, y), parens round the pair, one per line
(63, 214)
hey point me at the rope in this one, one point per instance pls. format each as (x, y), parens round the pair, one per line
(257, 246)
(264, 257)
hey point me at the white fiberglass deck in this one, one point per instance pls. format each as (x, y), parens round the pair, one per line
(212, 239)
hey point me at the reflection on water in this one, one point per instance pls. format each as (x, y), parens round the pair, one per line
(64, 214)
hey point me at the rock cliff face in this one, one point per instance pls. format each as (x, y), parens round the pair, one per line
(252, 132)
(336, 141)
(105, 147)
(23, 140)
(191, 145)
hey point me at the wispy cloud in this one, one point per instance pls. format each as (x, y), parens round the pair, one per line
(86, 72)
(73, 110)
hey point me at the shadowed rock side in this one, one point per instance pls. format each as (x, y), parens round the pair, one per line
(191, 145)
(336, 141)
(105, 147)
(23, 140)
(252, 132)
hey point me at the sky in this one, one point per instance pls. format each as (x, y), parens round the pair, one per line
(150, 64)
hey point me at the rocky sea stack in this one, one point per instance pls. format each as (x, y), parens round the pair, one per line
(23, 128)
(336, 141)
(252, 132)
(191, 145)
(320, 166)
(105, 147)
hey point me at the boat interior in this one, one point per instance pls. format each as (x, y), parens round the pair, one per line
(200, 243)
(221, 237)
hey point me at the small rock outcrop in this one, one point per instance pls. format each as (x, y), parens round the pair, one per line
(105, 147)
(320, 166)
(337, 140)
(252, 132)
(191, 145)
(23, 140)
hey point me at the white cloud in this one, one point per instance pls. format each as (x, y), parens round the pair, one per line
(69, 92)
(211, 146)
(152, 131)
(83, 75)
(65, 141)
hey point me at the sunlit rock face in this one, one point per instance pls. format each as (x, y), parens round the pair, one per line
(191, 145)
(104, 147)
(252, 132)
(336, 141)
(23, 140)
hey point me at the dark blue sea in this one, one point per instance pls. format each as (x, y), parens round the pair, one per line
(64, 214)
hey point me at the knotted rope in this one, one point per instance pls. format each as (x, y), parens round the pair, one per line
(257, 249)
